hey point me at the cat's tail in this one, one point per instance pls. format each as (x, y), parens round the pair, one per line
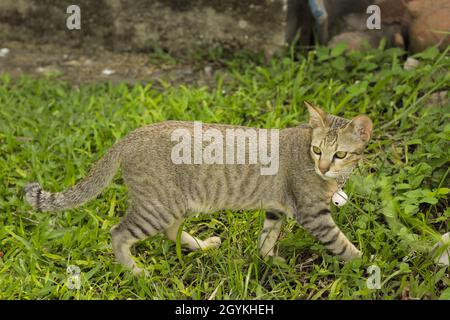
(99, 177)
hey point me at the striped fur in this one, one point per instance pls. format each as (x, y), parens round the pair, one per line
(162, 194)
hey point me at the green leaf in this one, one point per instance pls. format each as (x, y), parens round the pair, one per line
(91, 272)
(53, 256)
(415, 181)
(430, 200)
(323, 53)
(21, 172)
(404, 267)
(414, 194)
(338, 49)
(428, 54)
(367, 66)
(403, 186)
(445, 295)
(443, 191)
(414, 141)
(411, 209)
(338, 63)
(358, 88)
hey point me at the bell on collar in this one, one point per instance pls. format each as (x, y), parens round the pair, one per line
(339, 198)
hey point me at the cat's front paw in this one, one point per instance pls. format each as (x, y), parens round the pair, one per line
(355, 255)
(352, 253)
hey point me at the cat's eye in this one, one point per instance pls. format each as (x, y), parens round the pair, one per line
(340, 154)
(316, 150)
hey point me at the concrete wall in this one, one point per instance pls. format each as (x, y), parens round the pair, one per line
(178, 26)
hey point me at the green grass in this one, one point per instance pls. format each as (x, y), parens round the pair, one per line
(51, 132)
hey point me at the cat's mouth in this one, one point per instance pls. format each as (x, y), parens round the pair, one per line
(327, 175)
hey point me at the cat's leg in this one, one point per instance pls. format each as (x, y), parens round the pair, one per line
(131, 229)
(321, 225)
(191, 242)
(269, 234)
(122, 240)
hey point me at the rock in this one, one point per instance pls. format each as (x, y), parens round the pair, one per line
(49, 71)
(107, 72)
(392, 11)
(208, 70)
(353, 40)
(348, 23)
(438, 99)
(416, 7)
(88, 63)
(4, 52)
(354, 22)
(430, 25)
(411, 63)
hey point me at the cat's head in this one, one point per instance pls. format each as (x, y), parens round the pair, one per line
(337, 144)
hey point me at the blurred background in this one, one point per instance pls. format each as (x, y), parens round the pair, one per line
(114, 37)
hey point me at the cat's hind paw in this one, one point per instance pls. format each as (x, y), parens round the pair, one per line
(275, 259)
(212, 242)
(138, 272)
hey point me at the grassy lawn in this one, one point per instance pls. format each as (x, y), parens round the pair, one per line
(51, 132)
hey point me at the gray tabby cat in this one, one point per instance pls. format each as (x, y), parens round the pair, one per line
(312, 159)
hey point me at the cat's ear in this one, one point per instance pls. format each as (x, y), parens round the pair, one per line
(317, 117)
(362, 127)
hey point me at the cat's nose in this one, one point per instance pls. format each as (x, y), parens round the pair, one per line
(324, 166)
(323, 169)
